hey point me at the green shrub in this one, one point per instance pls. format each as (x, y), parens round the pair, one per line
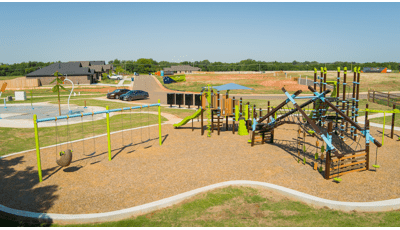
(178, 78)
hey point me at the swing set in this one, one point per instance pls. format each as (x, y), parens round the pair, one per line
(64, 156)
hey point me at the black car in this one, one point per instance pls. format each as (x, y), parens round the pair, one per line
(134, 95)
(117, 93)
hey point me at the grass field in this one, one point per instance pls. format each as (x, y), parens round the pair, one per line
(235, 206)
(20, 139)
(109, 81)
(269, 84)
(9, 77)
(53, 99)
(195, 82)
(49, 92)
(379, 81)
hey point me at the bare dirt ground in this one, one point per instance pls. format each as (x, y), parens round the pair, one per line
(146, 172)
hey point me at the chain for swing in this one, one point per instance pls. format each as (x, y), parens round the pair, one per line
(94, 139)
(376, 166)
(141, 126)
(130, 118)
(122, 128)
(55, 121)
(68, 136)
(83, 135)
(148, 120)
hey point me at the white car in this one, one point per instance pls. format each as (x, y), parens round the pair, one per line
(115, 77)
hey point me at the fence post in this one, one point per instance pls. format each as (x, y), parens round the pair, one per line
(392, 131)
(388, 99)
(108, 133)
(373, 97)
(37, 148)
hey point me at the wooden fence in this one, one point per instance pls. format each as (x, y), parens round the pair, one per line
(20, 83)
(388, 98)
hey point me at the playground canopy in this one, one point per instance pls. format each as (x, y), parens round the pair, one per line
(230, 86)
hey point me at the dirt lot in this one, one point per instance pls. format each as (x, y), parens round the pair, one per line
(266, 83)
(146, 172)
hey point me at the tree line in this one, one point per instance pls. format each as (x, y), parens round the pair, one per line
(145, 65)
(21, 69)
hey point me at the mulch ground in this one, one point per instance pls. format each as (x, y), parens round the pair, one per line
(145, 172)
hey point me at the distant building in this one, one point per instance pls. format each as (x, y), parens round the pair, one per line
(374, 70)
(72, 70)
(182, 69)
(99, 67)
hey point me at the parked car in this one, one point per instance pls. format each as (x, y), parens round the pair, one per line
(116, 93)
(134, 95)
(115, 77)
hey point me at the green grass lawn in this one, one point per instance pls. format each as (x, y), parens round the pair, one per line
(48, 92)
(388, 120)
(9, 77)
(114, 104)
(108, 81)
(249, 207)
(54, 99)
(23, 139)
(127, 82)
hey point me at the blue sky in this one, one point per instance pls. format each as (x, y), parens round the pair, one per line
(226, 32)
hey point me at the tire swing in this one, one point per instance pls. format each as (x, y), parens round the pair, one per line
(63, 158)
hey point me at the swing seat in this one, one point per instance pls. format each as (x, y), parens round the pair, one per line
(337, 179)
(376, 166)
(311, 132)
(65, 158)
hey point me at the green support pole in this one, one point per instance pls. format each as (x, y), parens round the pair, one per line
(39, 164)
(108, 134)
(159, 122)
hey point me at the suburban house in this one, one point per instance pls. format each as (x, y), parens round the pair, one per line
(182, 69)
(100, 67)
(71, 70)
(98, 70)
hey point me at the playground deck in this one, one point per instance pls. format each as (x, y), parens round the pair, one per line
(141, 174)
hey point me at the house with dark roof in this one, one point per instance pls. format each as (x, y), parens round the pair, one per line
(98, 70)
(97, 63)
(71, 70)
(182, 69)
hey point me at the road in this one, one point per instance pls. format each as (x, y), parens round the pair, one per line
(151, 85)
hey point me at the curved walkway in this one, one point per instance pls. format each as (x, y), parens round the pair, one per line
(377, 206)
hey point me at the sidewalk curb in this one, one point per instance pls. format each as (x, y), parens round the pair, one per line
(376, 206)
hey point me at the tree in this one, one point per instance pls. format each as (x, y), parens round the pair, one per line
(57, 87)
(116, 62)
(119, 69)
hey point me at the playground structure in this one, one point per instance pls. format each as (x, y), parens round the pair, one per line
(332, 120)
(64, 156)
